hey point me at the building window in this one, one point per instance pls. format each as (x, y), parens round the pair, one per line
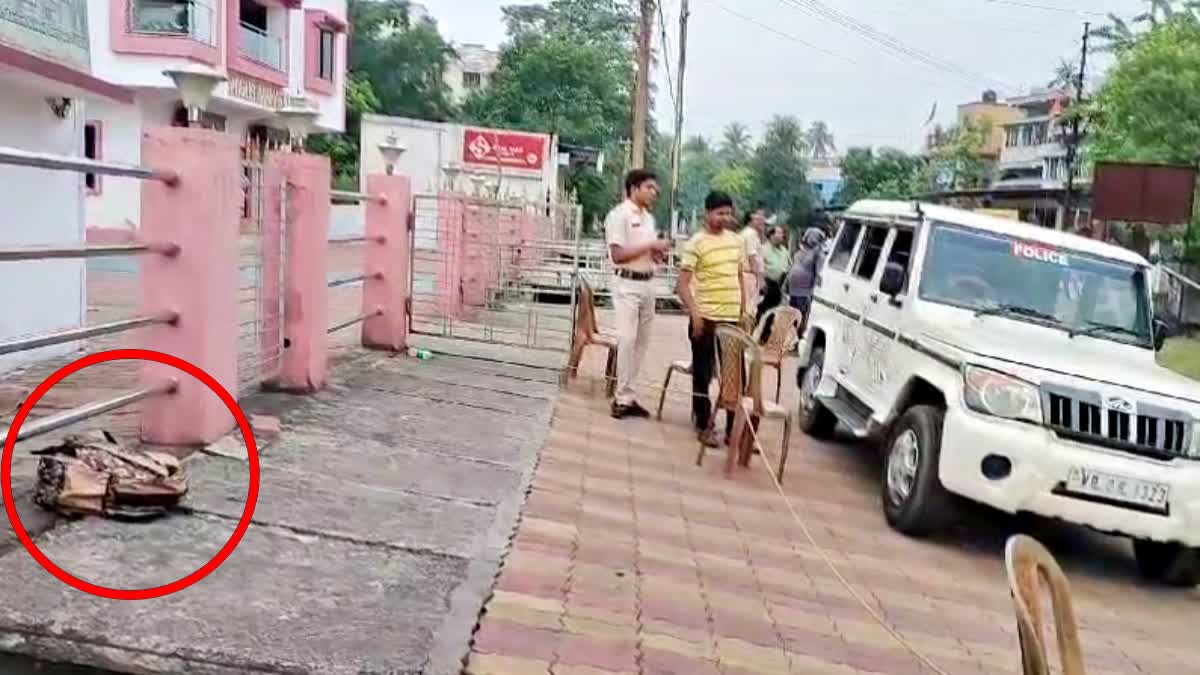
(1011, 137)
(325, 57)
(472, 80)
(189, 18)
(91, 150)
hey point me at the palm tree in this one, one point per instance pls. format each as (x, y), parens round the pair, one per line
(1159, 11)
(1066, 74)
(736, 143)
(697, 145)
(1116, 36)
(820, 140)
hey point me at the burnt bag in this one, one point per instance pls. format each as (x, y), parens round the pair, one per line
(95, 475)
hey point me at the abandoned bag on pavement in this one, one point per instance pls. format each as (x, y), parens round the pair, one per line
(95, 475)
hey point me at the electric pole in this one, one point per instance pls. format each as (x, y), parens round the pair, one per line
(677, 148)
(1074, 141)
(641, 92)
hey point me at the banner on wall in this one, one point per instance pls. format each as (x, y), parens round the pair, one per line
(504, 149)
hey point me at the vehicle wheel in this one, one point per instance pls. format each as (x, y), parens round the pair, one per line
(1171, 564)
(814, 418)
(914, 500)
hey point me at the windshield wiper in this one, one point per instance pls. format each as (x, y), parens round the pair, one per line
(1094, 327)
(1018, 310)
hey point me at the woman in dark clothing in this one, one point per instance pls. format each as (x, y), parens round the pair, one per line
(802, 277)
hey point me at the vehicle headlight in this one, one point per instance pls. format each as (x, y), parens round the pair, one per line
(994, 393)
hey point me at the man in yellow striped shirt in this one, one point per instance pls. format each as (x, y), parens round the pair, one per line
(712, 291)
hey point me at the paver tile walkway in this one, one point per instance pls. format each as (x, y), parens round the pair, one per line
(630, 559)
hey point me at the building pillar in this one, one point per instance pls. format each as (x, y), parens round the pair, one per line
(199, 213)
(385, 292)
(306, 299)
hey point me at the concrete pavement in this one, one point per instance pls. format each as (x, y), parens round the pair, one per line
(386, 505)
(630, 559)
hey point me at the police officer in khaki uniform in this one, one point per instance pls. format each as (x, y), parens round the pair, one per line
(635, 249)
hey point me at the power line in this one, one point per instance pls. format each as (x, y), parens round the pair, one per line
(823, 11)
(662, 24)
(776, 31)
(1046, 8)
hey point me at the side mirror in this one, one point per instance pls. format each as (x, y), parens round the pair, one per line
(892, 282)
(1162, 331)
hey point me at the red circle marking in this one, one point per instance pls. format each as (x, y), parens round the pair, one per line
(130, 355)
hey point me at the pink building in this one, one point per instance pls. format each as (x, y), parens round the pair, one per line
(48, 84)
(273, 53)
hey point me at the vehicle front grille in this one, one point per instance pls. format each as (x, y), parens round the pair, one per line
(1145, 429)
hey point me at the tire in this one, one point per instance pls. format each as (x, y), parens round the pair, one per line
(1170, 564)
(914, 501)
(813, 418)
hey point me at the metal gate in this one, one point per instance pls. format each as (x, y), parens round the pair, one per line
(494, 271)
(261, 269)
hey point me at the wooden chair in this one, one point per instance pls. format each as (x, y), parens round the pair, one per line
(587, 334)
(785, 331)
(739, 368)
(1029, 564)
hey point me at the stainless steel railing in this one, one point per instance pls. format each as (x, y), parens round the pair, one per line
(52, 162)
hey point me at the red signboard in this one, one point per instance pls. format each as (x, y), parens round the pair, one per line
(505, 149)
(1144, 193)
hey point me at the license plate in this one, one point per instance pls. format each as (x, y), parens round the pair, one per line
(1118, 488)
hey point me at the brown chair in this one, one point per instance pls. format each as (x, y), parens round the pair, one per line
(587, 333)
(685, 368)
(739, 368)
(785, 331)
(1029, 565)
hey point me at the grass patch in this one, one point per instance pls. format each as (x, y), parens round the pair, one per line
(1182, 355)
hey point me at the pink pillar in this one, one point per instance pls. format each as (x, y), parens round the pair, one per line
(273, 291)
(386, 287)
(306, 314)
(200, 215)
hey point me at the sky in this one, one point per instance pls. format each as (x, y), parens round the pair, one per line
(749, 60)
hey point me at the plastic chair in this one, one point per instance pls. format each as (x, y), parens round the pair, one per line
(739, 368)
(785, 331)
(683, 368)
(1029, 564)
(587, 334)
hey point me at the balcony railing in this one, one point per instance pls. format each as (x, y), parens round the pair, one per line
(184, 18)
(54, 28)
(259, 45)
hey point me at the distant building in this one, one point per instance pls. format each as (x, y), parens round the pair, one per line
(987, 111)
(825, 177)
(1030, 156)
(471, 70)
(1034, 154)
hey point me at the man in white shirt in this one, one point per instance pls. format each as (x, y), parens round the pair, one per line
(635, 249)
(752, 234)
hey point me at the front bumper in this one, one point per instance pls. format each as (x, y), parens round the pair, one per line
(1041, 462)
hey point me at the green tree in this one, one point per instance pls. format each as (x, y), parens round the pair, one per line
(886, 174)
(778, 166)
(565, 70)
(736, 144)
(343, 149)
(1066, 73)
(738, 181)
(820, 141)
(403, 60)
(1148, 109)
(956, 163)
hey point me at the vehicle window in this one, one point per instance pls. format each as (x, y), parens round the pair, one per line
(872, 250)
(901, 253)
(1067, 288)
(847, 238)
